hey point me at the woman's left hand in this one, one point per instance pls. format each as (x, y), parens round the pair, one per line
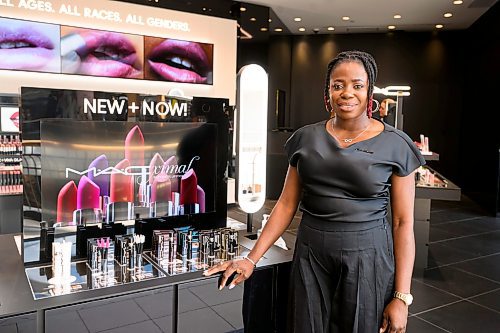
(395, 317)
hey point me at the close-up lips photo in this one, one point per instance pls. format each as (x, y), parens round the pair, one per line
(25, 48)
(180, 61)
(108, 54)
(15, 118)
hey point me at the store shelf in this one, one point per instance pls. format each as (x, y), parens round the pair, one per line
(448, 191)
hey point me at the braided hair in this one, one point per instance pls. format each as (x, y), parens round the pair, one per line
(368, 63)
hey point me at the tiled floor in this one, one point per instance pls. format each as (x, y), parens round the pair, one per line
(460, 292)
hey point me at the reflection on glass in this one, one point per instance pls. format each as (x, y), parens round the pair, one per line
(178, 61)
(101, 53)
(30, 46)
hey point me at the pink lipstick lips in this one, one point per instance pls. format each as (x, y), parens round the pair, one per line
(180, 61)
(26, 47)
(108, 54)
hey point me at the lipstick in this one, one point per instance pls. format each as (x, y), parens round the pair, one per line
(134, 152)
(160, 196)
(189, 191)
(100, 163)
(170, 169)
(155, 168)
(121, 195)
(88, 208)
(66, 202)
(200, 193)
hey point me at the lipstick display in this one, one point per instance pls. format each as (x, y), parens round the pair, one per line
(66, 202)
(88, 208)
(121, 196)
(11, 179)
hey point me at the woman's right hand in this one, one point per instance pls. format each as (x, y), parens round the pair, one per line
(243, 268)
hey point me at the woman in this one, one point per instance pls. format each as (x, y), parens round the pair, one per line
(347, 275)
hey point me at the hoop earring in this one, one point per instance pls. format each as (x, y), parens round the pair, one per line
(327, 105)
(378, 106)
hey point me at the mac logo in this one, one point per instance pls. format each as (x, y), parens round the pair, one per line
(135, 170)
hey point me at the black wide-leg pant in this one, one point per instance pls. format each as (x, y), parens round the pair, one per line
(342, 276)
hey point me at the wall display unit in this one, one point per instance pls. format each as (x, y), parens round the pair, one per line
(109, 160)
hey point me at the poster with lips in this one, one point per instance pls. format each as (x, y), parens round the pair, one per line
(29, 46)
(178, 61)
(110, 171)
(101, 53)
(9, 119)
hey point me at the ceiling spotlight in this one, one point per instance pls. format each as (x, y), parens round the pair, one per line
(397, 16)
(278, 29)
(302, 29)
(346, 18)
(243, 9)
(439, 26)
(204, 8)
(458, 2)
(330, 28)
(297, 19)
(270, 20)
(447, 14)
(253, 19)
(263, 29)
(391, 27)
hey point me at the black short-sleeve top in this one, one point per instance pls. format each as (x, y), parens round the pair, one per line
(349, 184)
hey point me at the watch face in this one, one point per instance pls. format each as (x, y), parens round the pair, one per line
(409, 299)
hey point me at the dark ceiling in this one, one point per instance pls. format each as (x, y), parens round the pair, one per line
(251, 20)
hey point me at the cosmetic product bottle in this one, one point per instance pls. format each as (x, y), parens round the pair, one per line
(121, 205)
(88, 209)
(61, 264)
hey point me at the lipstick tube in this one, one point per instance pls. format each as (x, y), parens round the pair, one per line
(101, 180)
(66, 202)
(160, 195)
(155, 168)
(87, 205)
(121, 206)
(134, 153)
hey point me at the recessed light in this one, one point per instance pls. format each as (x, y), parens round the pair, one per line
(397, 16)
(447, 14)
(302, 29)
(297, 19)
(243, 9)
(263, 29)
(346, 18)
(253, 19)
(458, 2)
(270, 20)
(391, 27)
(278, 29)
(439, 26)
(330, 28)
(204, 8)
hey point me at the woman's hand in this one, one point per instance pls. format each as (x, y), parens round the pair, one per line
(395, 317)
(242, 267)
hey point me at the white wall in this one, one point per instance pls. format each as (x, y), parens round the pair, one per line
(218, 31)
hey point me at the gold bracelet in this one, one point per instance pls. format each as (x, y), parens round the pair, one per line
(253, 262)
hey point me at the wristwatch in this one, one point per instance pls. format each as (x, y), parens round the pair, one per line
(406, 298)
